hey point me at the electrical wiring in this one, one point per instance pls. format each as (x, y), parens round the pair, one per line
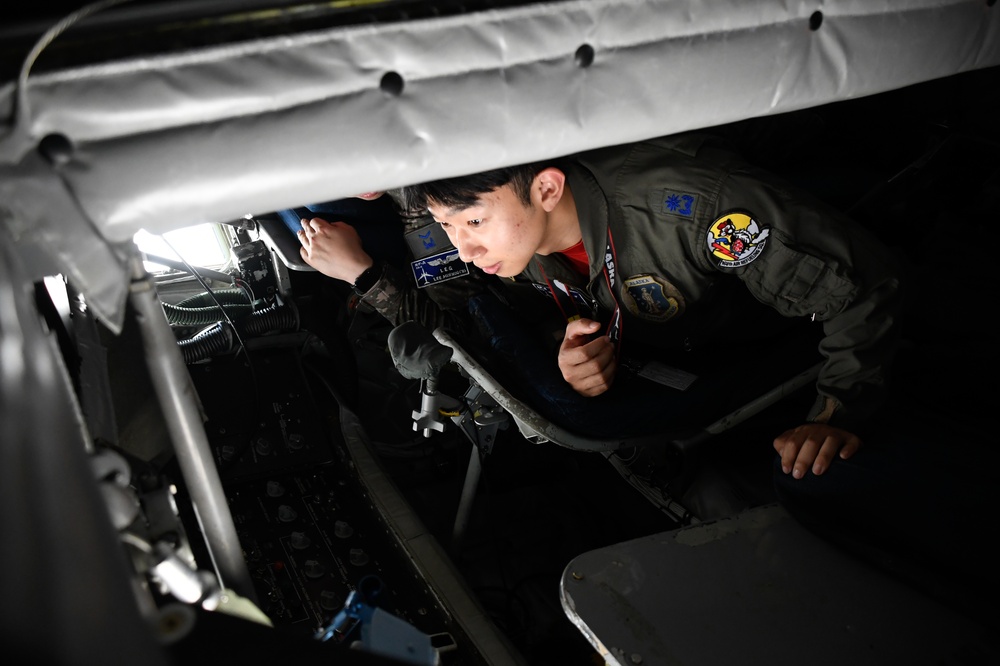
(245, 286)
(23, 108)
(241, 348)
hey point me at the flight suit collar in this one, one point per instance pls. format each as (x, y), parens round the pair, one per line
(592, 211)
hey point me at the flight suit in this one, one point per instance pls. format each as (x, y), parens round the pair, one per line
(691, 248)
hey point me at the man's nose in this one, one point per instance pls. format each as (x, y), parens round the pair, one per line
(468, 249)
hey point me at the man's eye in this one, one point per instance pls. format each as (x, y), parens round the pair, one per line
(475, 223)
(444, 224)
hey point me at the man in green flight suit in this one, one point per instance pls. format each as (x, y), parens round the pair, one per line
(678, 244)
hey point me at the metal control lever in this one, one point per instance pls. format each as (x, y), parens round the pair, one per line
(435, 407)
(418, 355)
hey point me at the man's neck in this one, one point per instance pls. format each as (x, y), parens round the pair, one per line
(563, 226)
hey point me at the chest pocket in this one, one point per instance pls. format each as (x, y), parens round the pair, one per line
(798, 284)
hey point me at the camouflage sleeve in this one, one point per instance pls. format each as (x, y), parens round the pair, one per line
(395, 296)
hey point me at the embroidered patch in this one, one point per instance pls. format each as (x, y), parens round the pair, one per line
(679, 203)
(652, 298)
(736, 239)
(438, 268)
(428, 239)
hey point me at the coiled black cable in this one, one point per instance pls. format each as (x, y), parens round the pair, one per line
(273, 319)
(182, 316)
(215, 339)
(219, 339)
(225, 296)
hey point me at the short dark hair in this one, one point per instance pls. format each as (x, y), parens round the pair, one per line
(465, 191)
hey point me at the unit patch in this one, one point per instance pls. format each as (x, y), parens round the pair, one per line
(736, 239)
(679, 203)
(438, 268)
(652, 298)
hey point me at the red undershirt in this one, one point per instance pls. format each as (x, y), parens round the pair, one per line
(577, 256)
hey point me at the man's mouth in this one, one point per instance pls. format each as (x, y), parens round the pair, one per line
(369, 196)
(491, 269)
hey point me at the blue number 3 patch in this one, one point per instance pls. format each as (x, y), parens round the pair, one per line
(679, 203)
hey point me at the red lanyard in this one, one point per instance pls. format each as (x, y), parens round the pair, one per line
(614, 331)
(564, 299)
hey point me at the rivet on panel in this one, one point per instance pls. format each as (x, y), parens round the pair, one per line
(392, 84)
(56, 148)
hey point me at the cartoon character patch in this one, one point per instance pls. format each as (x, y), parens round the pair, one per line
(652, 297)
(736, 239)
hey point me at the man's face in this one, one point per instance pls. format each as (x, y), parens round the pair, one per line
(499, 234)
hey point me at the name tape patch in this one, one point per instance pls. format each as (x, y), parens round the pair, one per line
(438, 268)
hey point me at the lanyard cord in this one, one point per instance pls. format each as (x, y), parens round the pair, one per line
(614, 331)
(562, 297)
(565, 303)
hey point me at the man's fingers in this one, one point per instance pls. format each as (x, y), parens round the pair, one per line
(585, 351)
(814, 446)
(317, 226)
(586, 357)
(788, 446)
(588, 368)
(825, 456)
(594, 377)
(851, 447)
(600, 356)
(580, 329)
(803, 461)
(577, 346)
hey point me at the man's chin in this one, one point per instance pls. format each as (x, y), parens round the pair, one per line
(505, 272)
(504, 269)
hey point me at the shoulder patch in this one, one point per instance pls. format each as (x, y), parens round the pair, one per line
(736, 239)
(652, 297)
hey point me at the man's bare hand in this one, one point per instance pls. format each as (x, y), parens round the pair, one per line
(334, 249)
(588, 365)
(814, 445)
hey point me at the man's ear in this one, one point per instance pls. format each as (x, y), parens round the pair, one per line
(548, 187)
